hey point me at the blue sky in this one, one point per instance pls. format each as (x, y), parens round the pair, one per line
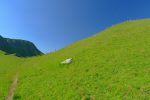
(53, 24)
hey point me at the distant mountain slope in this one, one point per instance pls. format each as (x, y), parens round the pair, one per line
(21, 48)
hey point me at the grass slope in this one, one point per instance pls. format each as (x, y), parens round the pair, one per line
(9, 65)
(111, 65)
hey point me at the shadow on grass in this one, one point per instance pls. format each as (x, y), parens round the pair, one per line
(17, 97)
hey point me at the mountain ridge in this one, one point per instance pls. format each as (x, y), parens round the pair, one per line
(22, 48)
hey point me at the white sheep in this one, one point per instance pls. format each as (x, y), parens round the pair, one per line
(67, 61)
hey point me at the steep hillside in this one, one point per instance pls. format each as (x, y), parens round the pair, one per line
(9, 67)
(111, 65)
(21, 48)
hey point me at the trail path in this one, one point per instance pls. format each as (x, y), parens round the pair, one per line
(12, 89)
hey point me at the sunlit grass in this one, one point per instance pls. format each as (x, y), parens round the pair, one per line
(111, 65)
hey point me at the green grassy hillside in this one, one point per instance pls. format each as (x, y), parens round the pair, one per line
(9, 66)
(111, 65)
